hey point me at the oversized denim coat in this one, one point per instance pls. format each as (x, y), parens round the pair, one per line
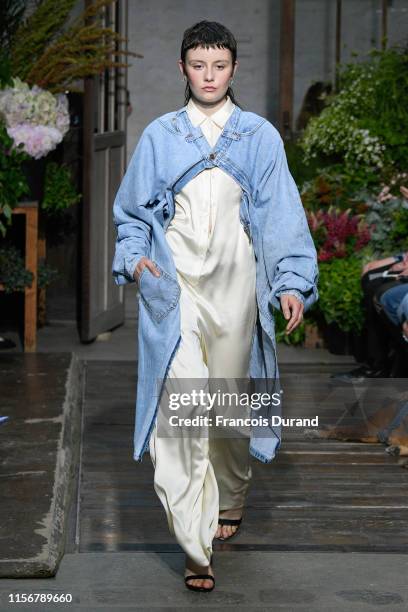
(170, 152)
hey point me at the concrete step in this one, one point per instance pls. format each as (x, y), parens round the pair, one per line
(41, 394)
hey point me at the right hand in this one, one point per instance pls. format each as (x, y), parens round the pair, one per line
(145, 262)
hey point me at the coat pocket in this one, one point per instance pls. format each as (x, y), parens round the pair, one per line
(159, 294)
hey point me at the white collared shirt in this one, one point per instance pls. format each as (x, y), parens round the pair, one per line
(211, 125)
(208, 194)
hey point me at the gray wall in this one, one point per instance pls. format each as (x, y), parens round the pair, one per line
(156, 29)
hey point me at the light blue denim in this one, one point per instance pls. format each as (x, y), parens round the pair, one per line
(170, 152)
(395, 303)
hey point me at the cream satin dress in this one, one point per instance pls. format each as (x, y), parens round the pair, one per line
(195, 477)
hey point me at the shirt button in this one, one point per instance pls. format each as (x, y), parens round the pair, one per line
(212, 155)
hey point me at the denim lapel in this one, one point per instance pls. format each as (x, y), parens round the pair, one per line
(195, 134)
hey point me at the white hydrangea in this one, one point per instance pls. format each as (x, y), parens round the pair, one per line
(34, 117)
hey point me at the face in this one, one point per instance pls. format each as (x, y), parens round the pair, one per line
(209, 72)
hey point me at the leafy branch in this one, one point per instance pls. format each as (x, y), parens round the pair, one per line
(45, 55)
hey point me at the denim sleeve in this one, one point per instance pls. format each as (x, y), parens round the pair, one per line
(290, 253)
(132, 214)
(402, 311)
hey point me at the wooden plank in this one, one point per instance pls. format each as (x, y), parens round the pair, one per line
(30, 303)
(321, 495)
(30, 210)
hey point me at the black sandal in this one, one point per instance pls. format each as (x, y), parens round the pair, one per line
(226, 521)
(192, 587)
(199, 576)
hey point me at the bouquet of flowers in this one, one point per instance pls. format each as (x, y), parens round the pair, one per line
(34, 117)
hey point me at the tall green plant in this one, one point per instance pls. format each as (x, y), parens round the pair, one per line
(53, 54)
(340, 292)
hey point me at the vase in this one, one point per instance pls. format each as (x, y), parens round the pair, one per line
(34, 172)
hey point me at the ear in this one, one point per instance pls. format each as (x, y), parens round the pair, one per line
(181, 66)
(236, 64)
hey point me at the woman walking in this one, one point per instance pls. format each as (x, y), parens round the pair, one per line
(211, 227)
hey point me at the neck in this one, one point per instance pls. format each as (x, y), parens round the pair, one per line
(208, 108)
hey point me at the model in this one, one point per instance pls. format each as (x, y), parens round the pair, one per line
(211, 226)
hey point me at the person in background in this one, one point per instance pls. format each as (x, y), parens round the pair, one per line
(403, 316)
(395, 305)
(377, 279)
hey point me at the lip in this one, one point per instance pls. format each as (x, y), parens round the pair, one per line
(209, 88)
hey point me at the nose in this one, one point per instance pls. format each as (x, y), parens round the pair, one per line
(208, 75)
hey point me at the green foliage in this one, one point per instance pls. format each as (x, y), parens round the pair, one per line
(301, 170)
(13, 274)
(39, 29)
(389, 220)
(340, 292)
(59, 190)
(13, 184)
(330, 187)
(11, 16)
(6, 79)
(46, 274)
(366, 123)
(54, 54)
(295, 338)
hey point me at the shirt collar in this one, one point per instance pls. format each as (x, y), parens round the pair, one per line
(220, 117)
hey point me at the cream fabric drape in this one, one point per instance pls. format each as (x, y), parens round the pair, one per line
(215, 262)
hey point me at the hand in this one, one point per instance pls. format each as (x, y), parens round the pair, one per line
(399, 266)
(145, 262)
(404, 270)
(292, 309)
(405, 328)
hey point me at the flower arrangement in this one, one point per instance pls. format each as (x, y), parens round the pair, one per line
(337, 233)
(34, 118)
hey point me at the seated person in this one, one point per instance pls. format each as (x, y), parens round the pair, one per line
(403, 316)
(391, 301)
(376, 345)
(394, 303)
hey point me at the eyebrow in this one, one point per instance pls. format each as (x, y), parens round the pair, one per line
(204, 62)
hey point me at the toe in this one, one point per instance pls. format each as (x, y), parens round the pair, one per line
(228, 530)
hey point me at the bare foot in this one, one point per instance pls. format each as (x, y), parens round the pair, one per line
(193, 568)
(226, 531)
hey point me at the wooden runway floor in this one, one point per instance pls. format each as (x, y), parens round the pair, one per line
(316, 495)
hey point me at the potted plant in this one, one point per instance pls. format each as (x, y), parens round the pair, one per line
(340, 298)
(340, 237)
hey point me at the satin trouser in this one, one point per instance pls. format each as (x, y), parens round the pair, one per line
(195, 477)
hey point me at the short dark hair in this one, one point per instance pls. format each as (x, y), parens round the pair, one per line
(208, 34)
